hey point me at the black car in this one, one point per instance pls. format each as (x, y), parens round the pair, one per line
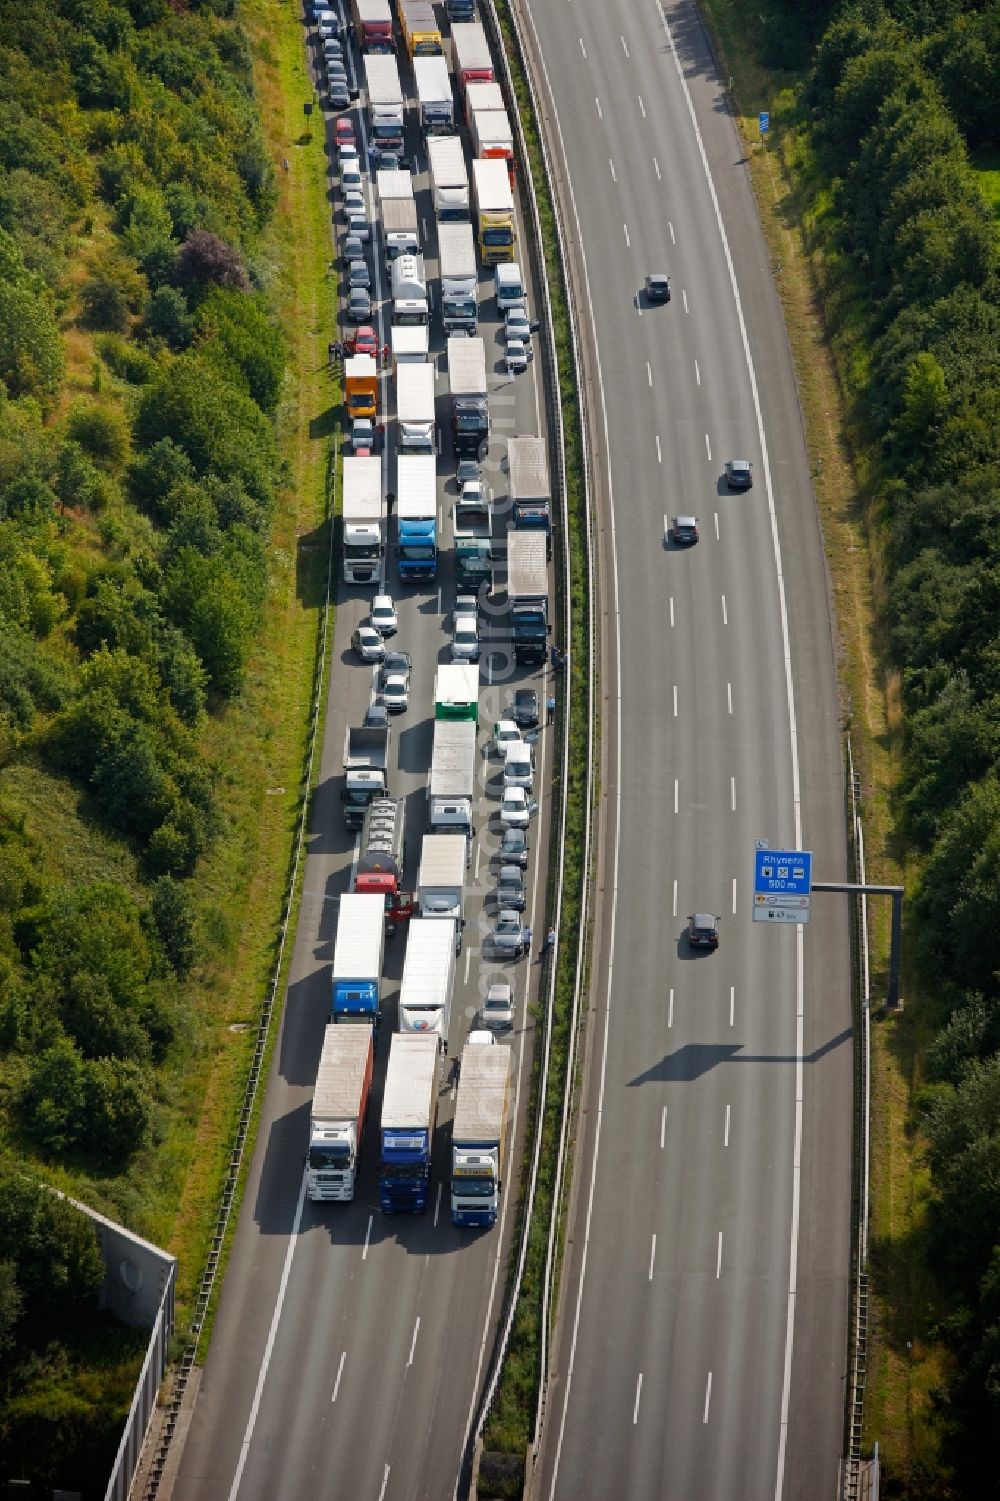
(524, 708)
(739, 474)
(513, 849)
(703, 930)
(658, 287)
(339, 96)
(684, 530)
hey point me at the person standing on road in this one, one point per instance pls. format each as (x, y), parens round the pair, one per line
(527, 936)
(550, 708)
(550, 942)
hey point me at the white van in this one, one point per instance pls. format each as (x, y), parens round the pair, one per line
(518, 765)
(508, 285)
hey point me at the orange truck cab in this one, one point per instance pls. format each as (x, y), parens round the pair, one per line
(361, 386)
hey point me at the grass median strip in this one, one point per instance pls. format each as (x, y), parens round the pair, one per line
(510, 1426)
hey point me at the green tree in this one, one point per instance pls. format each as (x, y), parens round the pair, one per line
(172, 911)
(925, 403)
(237, 332)
(52, 1244)
(204, 599)
(169, 319)
(117, 1108)
(31, 356)
(102, 432)
(53, 1099)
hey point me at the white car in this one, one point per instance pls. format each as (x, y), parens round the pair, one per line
(517, 324)
(354, 203)
(480, 1038)
(383, 616)
(368, 644)
(465, 639)
(351, 180)
(357, 224)
(516, 808)
(505, 732)
(472, 490)
(396, 692)
(498, 1007)
(517, 356)
(519, 766)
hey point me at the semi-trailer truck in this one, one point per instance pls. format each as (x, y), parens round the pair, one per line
(459, 277)
(471, 61)
(379, 869)
(479, 1133)
(337, 1113)
(435, 100)
(449, 178)
(363, 521)
(409, 289)
(470, 413)
(472, 525)
(420, 32)
(428, 984)
(456, 691)
(494, 210)
(528, 482)
(360, 386)
(481, 96)
(385, 102)
(441, 881)
(416, 516)
(356, 993)
(528, 595)
(452, 780)
(366, 771)
(415, 408)
(492, 137)
(409, 1111)
(372, 25)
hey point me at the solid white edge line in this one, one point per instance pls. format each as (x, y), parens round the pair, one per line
(272, 1335)
(793, 1251)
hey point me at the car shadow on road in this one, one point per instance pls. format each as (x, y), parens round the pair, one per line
(694, 1060)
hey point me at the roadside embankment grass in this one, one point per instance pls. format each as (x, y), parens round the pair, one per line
(830, 357)
(262, 743)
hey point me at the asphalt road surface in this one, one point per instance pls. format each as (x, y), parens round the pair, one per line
(701, 1353)
(349, 1347)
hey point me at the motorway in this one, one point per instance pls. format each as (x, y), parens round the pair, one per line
(349, 1347)
(702, 1347)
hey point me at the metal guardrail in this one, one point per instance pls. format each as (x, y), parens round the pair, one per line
(557, 464)
(231, 1185)
(858, 1477)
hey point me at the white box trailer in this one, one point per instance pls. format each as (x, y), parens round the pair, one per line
(337, 1113)
(467, 368)
(482, 96)
(449, 177)
(435, 100)
(385, 100)
(363, 521)
(400, 234)
(394, 182)
(415, 408)
(410, 343)
(428, 984)
(416, 487)
(441, 880)
(453, 778)
(459, 277)
(479, 1133)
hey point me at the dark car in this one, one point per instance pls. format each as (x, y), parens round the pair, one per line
(339, 95)
(513, 849)
(376, 717)
(523, 708)
(703, 931)
(359, 305)
(658, 287)
(684, 530)
(739, 474)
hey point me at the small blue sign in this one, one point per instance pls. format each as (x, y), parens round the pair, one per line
(764, 120)
(782, 872)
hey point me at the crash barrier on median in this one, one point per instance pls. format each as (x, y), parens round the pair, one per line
(557, 460)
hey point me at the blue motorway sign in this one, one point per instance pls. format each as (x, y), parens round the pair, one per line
(782, 882)
(764, 120)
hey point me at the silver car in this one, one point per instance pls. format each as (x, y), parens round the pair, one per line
(509, 938)
(368, 644)
(510, 888)
(498, 1008)
(383, 616)
(465, 639)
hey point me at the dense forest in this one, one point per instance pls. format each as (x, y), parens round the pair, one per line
(140, 374)
(898, 105)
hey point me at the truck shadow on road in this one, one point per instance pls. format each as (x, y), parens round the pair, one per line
(695, 1059)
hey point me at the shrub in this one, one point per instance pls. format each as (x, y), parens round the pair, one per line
(206, 260)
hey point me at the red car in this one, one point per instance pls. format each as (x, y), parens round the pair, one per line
(343, 130)
(364, 340)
